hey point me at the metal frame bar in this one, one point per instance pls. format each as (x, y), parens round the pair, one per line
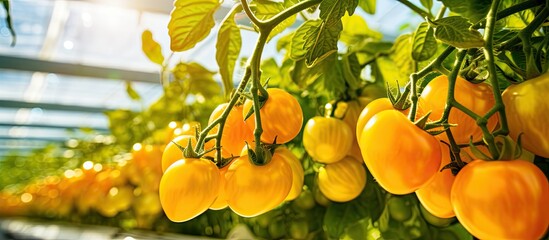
(101, 73)
(35, 125)
(51, 106)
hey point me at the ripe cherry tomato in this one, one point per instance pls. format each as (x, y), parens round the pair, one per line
(476, 97)
(297, 171)
(235, 131)
(435, 195)
(327, 140)
(281, 116)
(527, 112)
(342, 181)
(188, 188)
(252, 190)
(172, 153)
(401, 156)
(502, 199)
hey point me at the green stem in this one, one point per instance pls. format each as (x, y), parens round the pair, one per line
(450, 99)
(519, 7)
(221, 120)
(250, 14)
(489, 55)
(423, 13)
(288, 12)
(455, 148)
(164, 73)
(256, 89)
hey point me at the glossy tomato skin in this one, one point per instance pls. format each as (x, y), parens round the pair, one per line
(188, 188)
(327, 140)
(235, 132)
(476, 97)
(401, 156)
(172, 153)
(281, 116)
(374, 107)
(297, 171)
(502, 199)
(342, 181)
(435, 195)
(252, 190)
(527, 112)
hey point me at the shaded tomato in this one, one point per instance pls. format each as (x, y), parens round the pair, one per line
(188, 188)
(281, 116)
(235, 132)
(342, 181)
(297, 171)
(252, 190)
(476, 97)
(401, 156)
(527, 112)
(172, 153)
(502, 199)
(400, 208)
(327, 140)
(435, 195)
(221, 200)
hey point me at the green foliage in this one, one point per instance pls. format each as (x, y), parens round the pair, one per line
(369, 6)
(424, 43)
(456, 31)
(190, 22)
(474, 10)
(151, 48)
(228, 47)
(265, 9)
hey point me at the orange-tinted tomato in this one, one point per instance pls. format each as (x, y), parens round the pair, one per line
(435, 195)
(527, 112)
(476, 97)
(147, 157)
(188, 188)
(502, 199)
(172, 153)
(342, 181)
(372, 109)
(221, 200)
(401, 156)
(235, 131)
(327, 140)
(297, 171)
(281, 116)
(252, 190)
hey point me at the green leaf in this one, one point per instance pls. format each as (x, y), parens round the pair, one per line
(369, 6)
(298, 49)
(321, 42)
(196, 79)
(356, 30)
(228, 47)
(131, 92)
(474, 10)
(424, 44)
(190, 22)
(401, 54)
(456, 31)
(427, 4)
(265, 9)
(331, 11)
(6, 4)
(351, 71)
(151, 48)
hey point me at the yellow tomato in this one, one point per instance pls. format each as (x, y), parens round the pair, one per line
(342, 181)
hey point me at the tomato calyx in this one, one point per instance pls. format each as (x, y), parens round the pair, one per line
(400, 100)
(262, 155)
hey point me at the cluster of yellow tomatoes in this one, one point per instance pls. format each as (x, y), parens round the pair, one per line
(129, 183)
(330, 140)
(485, 195)
(192, 185)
